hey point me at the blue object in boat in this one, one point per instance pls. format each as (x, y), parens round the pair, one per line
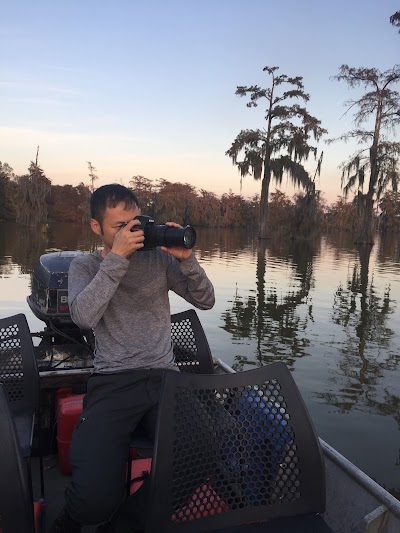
(260, 437)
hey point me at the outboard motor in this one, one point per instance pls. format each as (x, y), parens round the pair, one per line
(49, 298)
(63, 346)
(49, 303)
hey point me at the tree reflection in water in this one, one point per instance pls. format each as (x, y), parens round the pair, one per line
(23, 246)
(275, 320)
(348, 357)
(366, 355)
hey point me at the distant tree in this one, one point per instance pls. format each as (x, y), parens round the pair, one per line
(84, 194)
(143, 187)
(174, 202)
(280, 210)
(207, 210)
(30, 194)
(395, 19)
(65, 203)
(378, 160)
(308, 214)
(236, 212)
(6, 175)
(93, 177)
(284, 145)
(389, 218)
(29, 197)
(341, 215)
(309, 208)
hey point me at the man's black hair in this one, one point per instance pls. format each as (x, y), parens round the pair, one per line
(110, 196)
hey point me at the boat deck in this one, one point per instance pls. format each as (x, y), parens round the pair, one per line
(55, 484)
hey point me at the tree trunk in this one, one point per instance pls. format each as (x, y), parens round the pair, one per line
(263, 233)
(366, 234)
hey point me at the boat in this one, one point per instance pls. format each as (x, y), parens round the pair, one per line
(355, 502)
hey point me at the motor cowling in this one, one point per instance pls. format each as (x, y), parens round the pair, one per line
(62, 341)
(49, 298)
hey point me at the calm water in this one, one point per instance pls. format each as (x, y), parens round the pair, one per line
(330, 314)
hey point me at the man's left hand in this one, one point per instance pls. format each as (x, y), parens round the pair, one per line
(180, 253)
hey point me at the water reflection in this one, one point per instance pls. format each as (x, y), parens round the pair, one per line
(389, 251)
(363, 311)
(329, 313)
(22, 246)
(219, 243)
(271, 316)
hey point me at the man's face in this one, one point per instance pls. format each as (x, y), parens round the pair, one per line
(114, 219)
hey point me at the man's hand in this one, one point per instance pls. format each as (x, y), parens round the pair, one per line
(126, 242)
(180, 253)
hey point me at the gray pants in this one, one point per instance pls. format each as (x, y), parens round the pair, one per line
(113, 407)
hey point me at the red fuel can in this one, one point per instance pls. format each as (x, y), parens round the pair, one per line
(69, 409)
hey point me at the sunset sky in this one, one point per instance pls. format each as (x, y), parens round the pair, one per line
(149, 87)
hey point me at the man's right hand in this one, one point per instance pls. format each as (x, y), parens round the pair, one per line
(126, 242)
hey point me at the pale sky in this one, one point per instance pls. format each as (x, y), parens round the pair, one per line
(149, 87)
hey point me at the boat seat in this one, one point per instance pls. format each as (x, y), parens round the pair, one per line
(233, 451)
(191, 349)
(20, 377)
(18, 513)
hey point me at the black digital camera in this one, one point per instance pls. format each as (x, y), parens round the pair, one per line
(162, 235)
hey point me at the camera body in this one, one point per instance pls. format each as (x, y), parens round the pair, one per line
(162, 235)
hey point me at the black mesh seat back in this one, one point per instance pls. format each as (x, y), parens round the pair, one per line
(16, 508)
(18, 367)
(233, 449)
(191, 348)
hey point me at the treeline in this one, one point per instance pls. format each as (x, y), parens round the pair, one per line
(32, 199)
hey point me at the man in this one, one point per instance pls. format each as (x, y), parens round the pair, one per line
(121, 293)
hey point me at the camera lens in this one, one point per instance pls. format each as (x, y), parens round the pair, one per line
(189, 237)
(163, 235)
(183, 237)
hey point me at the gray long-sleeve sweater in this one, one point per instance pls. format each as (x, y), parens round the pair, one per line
(126, 303)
